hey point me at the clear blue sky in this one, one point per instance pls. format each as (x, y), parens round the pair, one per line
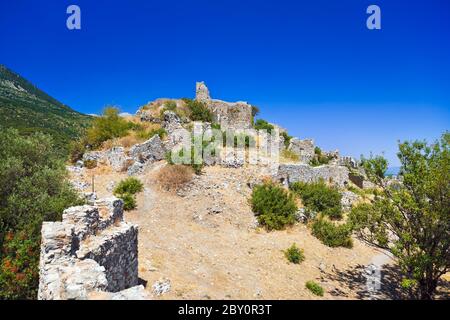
(311, 66)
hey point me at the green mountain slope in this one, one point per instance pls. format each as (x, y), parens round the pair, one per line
(25, 107)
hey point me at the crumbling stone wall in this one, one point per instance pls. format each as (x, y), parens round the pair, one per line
(289, 173)
(91, 250)
(303, 148)
(230, 115)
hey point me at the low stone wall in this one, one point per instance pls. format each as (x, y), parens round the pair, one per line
(289, 173)
(92, 250)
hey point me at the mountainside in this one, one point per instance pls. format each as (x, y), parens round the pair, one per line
(24, 107)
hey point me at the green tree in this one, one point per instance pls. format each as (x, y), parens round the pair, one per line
(33, 189)
(109, 125)
(411, 219)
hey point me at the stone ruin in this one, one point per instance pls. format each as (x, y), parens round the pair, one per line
(230, 115)
(91, 254)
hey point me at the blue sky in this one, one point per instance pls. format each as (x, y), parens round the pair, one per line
(311, 66)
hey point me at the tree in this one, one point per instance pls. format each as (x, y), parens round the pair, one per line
(110, 125)
(33, 189)
(411, 219)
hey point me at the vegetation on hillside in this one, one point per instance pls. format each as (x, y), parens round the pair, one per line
(127, 190)
(274, 206)
(28, 109)
(412, 219)
(111, 129)
(33, 189)
(317, 197)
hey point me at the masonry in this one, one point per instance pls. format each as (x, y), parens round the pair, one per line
(92, 252)
(230, 115)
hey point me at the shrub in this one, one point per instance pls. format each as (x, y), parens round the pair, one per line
(294, 254)
(261, 124)
(319, 158)
(331, 234)
(110, 125)
(198, 110)
(315, 288)
(130, 185)
(33, 189)
(77, 149)
(129, 201)
(172, 177)
(287, 138)
(274, 206)
(319, 197)
(90, 164)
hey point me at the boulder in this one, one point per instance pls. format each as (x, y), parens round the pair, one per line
(151, 150)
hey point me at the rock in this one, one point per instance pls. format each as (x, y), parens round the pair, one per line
(303, 148)
(118, 159)
(133, 293)
(172, 122)
(151, 150)
(215, 210)
(232, 159)
(161, 287)
(110, 186)
(79, 164)
(301, 216)
(98, 156)
(135, 168)
(348, 198)
(90, 197)
(146, 116)
(80, 185)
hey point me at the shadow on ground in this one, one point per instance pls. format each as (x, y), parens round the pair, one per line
(355, 279)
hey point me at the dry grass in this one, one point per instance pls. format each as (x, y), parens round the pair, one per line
(287, 156)
(172, 177)
(133, 137)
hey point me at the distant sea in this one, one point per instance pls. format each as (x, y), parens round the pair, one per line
(392, 171)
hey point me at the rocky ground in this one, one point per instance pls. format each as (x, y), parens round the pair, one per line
(203, 242)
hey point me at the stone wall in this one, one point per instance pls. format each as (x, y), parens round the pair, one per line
(92, 250)
(230, 115)
(303, 148)
(289, 173)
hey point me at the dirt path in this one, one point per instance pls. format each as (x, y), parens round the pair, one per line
(206, 254)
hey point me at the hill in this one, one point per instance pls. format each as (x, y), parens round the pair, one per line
(27, 108)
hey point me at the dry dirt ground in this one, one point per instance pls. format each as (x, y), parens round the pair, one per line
(205, 241)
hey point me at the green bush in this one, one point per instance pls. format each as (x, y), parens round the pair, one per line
(315, 288)
(294, 254)
(319, 158)
(261, 124)
(77, 149)
(108, 126)
(198, 110)
(129, 201)
(33, 189)
(130, 185)
(318, 197)
(274, 206)
(126, 190)
(331, 234)
(287, 139)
